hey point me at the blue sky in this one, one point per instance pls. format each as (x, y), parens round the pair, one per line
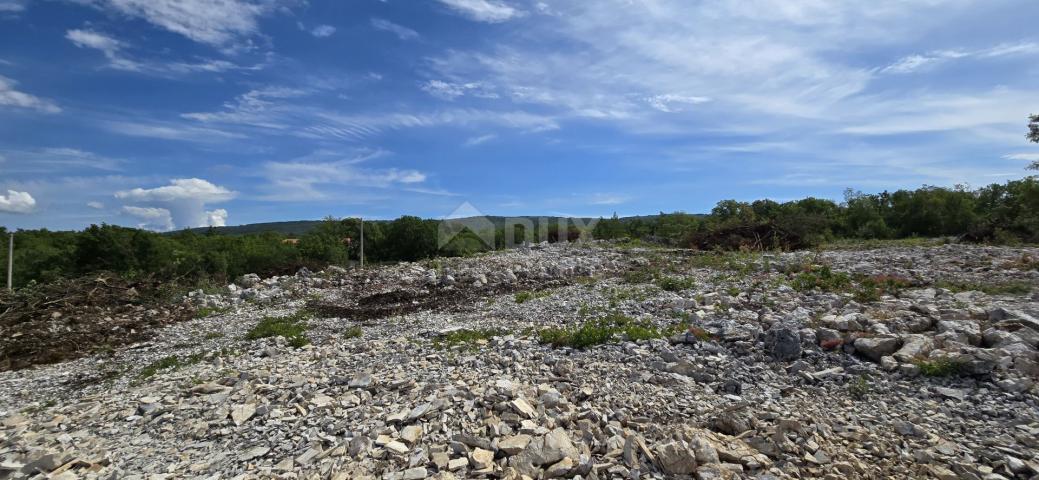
(176, 113)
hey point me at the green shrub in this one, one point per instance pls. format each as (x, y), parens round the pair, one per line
(859, 389)
(600, 331)
(204, 312)
(823, 279)
(171, 363)
(292, 327)
(353, 332)
(467, 337)
(941, 367)
(675, 284)
(526, 296)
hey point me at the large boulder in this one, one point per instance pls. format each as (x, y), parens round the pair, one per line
(874, 348)
(783, 343)
(914, 347)
(676, 458)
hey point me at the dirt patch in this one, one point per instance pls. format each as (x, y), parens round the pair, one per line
(69, 319)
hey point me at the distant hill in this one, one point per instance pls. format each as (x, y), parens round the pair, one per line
(301, 227)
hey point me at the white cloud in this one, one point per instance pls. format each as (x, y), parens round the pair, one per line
(13, 98)
(96, 205)
(450, 91)
(930, 112)
(607, 199)
(113, 51)
(667, 102)
(919, 62)
(179, 189)
(57, 160)
(12, 6)
(184, 198)
(213, 22)
(95, 40)
(483, 10)
(1028, 157)
(300, 179)
(216, 218)
(170, 131)
(402, 32)
(153, 218)
(17, 202)
(322, 31)
(474, 141)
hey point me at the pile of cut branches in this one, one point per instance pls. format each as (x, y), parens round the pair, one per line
(70, 318)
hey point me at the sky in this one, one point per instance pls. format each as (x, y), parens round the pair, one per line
(167, 114)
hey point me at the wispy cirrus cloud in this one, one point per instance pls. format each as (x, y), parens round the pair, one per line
(489, 11)
(218, 23)
(303, 179)
(11, 97)
(920, 62)
(114, 51)
(402, 32)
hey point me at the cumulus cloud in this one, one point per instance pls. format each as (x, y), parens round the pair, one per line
(13, 98)
(152, 218)
(483, 10)
(17, 202)
(185, 199)
(402, 32)
(322, 31)
(216, 218)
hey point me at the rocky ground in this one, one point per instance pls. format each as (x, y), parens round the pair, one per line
(896, 362)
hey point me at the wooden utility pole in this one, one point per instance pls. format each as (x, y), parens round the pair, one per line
(362, 242)
(10, 263)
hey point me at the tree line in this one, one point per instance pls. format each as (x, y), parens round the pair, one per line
(1007, 212)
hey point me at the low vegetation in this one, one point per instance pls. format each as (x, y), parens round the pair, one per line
(292, 327)
(353, 332)
(170, 363)
(1005, 288)
(466, 337)
(941, 367)
(527, 295)
(605, 330)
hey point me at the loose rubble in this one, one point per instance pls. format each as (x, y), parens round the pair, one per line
(771, 382)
